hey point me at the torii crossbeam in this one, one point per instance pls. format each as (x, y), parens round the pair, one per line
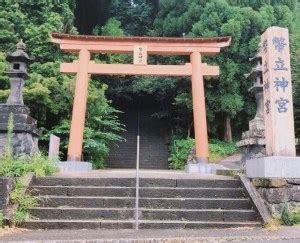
(140, 48)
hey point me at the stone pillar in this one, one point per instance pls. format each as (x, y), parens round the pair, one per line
(79, 108)
(199, 110)
(278, 110)
(278, 98)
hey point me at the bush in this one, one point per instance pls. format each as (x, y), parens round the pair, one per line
(180, 148)
(24, 201)
(296, 216)
(286, 218)
(220, 149)
(39, 164)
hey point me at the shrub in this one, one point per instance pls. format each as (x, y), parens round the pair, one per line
(24, 201)
(296, 216)
(220, 149)
(180, 149)
(286, 218)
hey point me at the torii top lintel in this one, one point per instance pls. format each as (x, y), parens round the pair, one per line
(125, 45)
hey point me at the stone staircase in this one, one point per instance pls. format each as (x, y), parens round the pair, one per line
(153, 143)
(108, 203)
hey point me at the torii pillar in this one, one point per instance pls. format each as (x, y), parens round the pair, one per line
(79, 107)
(199, 111)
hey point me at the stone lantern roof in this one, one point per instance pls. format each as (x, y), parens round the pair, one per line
(256, 71)
(19, 55)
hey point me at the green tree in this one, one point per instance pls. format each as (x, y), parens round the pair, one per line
(47, 92)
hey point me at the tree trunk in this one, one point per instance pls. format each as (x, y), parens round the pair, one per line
(227, 130)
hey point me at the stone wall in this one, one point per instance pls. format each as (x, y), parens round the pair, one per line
(6, 186)
(22, 143)
(276, 192)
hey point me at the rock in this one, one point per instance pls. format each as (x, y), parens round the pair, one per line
(269, 183)
(192, 156)
(296, 194)
(276, 195)
(6, 186)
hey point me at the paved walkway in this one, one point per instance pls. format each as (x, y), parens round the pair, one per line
(283, 234)
(232, 161)
(130, 173)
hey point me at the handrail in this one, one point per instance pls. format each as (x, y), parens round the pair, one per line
(137, 185)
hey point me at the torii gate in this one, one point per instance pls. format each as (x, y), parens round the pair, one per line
(140, 47)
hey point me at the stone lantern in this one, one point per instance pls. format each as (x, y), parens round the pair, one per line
(17, 74)
(253, 140)
(25, 132)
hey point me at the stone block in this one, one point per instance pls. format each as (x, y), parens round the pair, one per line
(192, 168)
(6, 186)
(75, 166)
(203, 168)
(273, 167)
(277, 195)
(53, 153)
(296, 194)
(267, 182)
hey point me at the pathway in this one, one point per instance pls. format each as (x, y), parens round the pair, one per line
(283, 234)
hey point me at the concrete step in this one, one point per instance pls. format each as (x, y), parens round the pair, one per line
(130, 182)
(144, 214)
(129, 202)
(157, 192)
(129, 224)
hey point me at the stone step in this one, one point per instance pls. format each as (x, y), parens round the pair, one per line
(157, 192)
(129, 202)
(129, 224)
(130, 182)
(146, 214)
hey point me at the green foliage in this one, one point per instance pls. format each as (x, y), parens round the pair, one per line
(111, 28)
(296, 216)
(286, 218)
(295, 60)
(24, 201)
(244, 21)
(136, 18)
(39, 164)
(220, 149)
(180, 149)
(20, 216)
(47, 92)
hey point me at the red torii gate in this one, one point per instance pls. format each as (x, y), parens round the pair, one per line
(140, 47)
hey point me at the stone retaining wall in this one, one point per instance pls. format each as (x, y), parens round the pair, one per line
(276, 192)
(6, 186)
